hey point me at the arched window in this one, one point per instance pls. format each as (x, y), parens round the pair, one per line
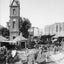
(13, 24)
(60, 28)
(14, 11)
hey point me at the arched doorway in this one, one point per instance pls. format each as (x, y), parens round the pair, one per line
(22, 45)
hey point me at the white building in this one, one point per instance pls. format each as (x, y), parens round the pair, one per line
(57, 28)
(35, 31)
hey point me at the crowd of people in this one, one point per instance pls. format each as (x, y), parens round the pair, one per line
(7, 56)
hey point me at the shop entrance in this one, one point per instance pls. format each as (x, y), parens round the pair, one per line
(22, 45)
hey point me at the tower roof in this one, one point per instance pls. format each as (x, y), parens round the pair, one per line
(15, 3)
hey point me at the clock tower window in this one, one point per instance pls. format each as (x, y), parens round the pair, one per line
(13, 37)
(14, 11)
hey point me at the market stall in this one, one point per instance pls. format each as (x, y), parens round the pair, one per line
(19, 41)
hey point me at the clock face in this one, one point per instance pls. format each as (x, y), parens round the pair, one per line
(14, 19)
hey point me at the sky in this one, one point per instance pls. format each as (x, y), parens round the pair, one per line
(39, 12)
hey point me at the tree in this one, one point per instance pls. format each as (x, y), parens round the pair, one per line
(4, 32)
(25, 26)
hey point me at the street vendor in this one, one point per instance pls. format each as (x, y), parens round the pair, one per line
(13, 52)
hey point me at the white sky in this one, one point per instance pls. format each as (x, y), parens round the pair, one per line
(39, 12)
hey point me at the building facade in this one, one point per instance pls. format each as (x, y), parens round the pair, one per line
(56, 28)
(14, 19)
(34, 31)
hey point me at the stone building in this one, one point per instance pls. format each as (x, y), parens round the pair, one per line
(56, 28)
(15, 20)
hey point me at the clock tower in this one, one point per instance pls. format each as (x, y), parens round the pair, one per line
(14, 19)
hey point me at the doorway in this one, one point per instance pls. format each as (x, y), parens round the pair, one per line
(22, 45)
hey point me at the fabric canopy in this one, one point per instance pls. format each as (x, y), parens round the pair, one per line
(3, 39)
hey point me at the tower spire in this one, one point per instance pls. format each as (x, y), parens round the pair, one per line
(15, 3)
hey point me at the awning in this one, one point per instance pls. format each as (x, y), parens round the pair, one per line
(3, 39)
(54, 40)
(47, 36)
